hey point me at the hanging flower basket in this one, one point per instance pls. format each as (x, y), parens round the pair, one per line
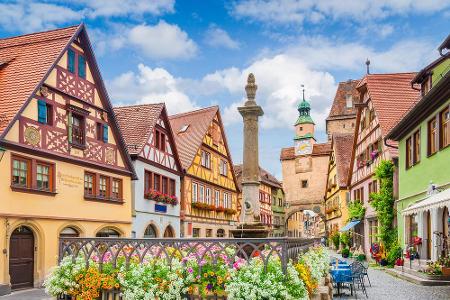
(161, 198)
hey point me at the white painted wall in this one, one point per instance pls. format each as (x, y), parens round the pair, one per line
(145, 209)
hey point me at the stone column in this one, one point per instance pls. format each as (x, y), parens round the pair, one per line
(250, 167)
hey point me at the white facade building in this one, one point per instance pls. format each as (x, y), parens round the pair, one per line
(156, 194)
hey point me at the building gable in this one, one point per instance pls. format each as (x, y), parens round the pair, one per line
(69, 115)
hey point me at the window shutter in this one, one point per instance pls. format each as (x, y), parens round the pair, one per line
(69, 123)
(71, 61)
(42, 111)
(105, 133)
(81, 66)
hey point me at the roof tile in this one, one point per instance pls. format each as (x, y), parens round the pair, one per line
(339, 108)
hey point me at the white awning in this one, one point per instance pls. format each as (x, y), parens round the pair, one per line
(440, 199)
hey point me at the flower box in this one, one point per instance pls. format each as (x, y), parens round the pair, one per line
(160, 197)
(445, 271)
(203, 206)
(230, 211)
(220, 209)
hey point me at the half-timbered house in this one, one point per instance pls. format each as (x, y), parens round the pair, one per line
(384, 99)
(156, 195)
(64, 166)
(209, 206)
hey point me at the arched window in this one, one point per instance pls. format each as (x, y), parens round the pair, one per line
(69, 232)
(168, 233)
(220, 233)
(108, 232)
(150, 232)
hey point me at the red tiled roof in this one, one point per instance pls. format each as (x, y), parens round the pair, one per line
(318, 150)
(391, 95)
(339, 108)
(26, 60)
(266, 177)
(342, 146)
(189, 141)
(136, 122)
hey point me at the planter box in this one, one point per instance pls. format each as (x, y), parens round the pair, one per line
(445, 271)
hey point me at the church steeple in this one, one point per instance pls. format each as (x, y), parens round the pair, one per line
(304, 127)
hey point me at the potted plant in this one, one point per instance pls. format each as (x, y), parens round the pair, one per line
(345, 252)
(399, 262)
(444, 261)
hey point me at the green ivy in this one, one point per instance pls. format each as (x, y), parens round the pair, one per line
(356, 211)
(383, 203)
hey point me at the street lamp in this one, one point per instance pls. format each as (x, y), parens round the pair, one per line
(2, 152)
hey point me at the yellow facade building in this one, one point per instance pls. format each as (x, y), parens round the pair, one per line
(337, 196)
(64, 168)
(209, 203)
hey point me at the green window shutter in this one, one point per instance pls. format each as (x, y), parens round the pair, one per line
(42, 111)
(71, 61)
(69, 123)
(105, 133)
(81, 66)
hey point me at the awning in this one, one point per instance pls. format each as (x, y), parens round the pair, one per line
(440, 199)
(349, 225)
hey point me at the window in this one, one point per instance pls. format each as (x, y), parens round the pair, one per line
(183, 128)
(102, 132)
(206, 159)
(45, 112)
(150, 232)
(71, 60)
(108, 232)
(202, 194)
(373, 188)
(103, 186)
(21, 172)
(304, 183)
(223, 169)
(116, 190)
(81, 66)
(371, 115)
(208, 195)
(217, 197)
(195, 232)
(358, 195)
(172, 187)
(373, 231)
(148, 181)
(156, 182)
(444, 129)
(43, 175)
(432, 136)
(165, 185)
(89, 184)
(69, 232)
(426, 85)
(194, 193)
(226, 200)
(77, 127)
(209, 233)
(220, 233)
(349, 101)
(409, 152)
(413, 149)
(160, 140)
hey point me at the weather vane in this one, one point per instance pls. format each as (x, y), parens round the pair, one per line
(303, 90)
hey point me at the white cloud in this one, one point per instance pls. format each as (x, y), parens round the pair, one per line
(31, 16)
(150, 86)
(116, 8)
(217, 37)
(162, 40)
(299, 11)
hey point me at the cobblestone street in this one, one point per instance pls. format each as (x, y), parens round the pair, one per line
(387, 287)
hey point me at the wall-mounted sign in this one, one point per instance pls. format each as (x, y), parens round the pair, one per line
(69, 180)
(160, 208)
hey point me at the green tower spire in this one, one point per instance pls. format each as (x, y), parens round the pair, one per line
(304, 109)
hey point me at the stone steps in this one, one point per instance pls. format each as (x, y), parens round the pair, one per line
(415, 277)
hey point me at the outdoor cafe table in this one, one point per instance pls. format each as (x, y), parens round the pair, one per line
(341, 274)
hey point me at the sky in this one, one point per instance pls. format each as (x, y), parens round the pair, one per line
(193, 53)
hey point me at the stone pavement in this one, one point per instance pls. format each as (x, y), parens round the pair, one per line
(33, 294)
(388, 287)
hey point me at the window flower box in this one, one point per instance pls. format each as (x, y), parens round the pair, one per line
(230, 211)
(203, 206)
(220, 209)
(161, 198)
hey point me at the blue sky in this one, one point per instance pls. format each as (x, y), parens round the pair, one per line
(192, 54)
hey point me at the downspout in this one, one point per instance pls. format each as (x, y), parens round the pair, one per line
(387, 145)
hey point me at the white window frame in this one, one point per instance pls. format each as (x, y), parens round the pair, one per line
(201, 193)
(194, 192)
(208, 195)
(217, 197)
(226, 199)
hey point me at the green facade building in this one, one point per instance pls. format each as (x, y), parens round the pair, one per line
(424, 160)
(278, 210)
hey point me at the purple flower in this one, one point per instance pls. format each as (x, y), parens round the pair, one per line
(190, 270)
(209, 286)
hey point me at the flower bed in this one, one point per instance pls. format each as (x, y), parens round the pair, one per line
(160, 197)
(209, 271)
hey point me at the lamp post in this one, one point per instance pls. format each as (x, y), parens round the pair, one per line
(2, 152)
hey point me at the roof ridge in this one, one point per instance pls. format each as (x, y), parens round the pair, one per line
(136, 105)
(395, 73)
(191, 112)
(39, 32)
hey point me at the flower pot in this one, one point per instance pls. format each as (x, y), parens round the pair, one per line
(445, 271)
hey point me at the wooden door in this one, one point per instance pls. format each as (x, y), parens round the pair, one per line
(168, 233)
(21, 258)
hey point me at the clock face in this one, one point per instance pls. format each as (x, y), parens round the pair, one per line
(303, 147)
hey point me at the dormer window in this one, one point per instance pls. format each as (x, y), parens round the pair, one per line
(426, 86)
(349, 101)
(183, 128)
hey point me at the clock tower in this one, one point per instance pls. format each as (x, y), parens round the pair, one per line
(304, 129)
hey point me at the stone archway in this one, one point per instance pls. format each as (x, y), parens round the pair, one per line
(169, 232)
(296, 207)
